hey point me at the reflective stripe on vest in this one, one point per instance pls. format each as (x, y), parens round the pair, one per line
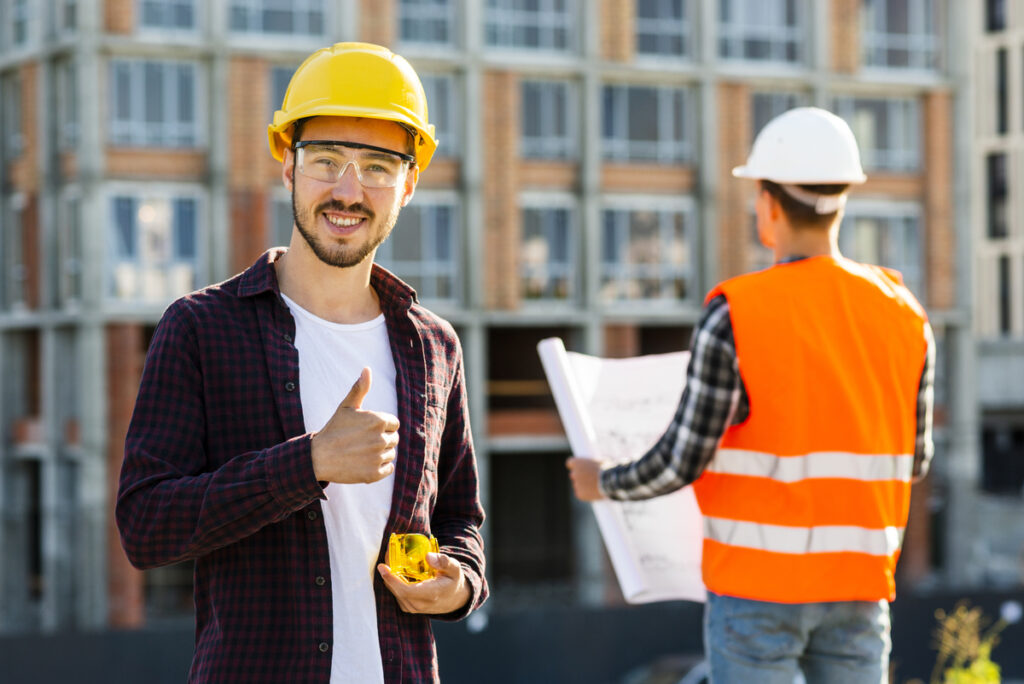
(831, 464)
(807, 499)
(820, 539)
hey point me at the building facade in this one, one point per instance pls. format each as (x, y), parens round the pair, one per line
(582, 189)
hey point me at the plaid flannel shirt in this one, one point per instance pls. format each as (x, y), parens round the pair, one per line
(218, 470)
(714, 398)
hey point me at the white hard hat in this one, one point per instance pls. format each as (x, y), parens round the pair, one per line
(806, 145)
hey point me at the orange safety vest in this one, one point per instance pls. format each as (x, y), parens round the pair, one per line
(807, 499)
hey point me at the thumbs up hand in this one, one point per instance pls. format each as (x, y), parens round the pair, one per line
(355, 445)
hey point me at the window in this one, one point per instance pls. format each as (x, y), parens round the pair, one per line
(995, 15)
(281, 17)
(69, 249)
(647, 254)
(15, 270)
(16, 27)
(167, 14)
(548, 113)
(11, 140)
(535, 24)
(1005, 295)
(997, 195)
(280, 77)
(154, 103)
(427, 22)
(1002, 456)
(761, 30)
(886, 234)
(154, 246)
(442, 108)
(642, 123)
(1002, 106)
(888, 131)
(532, 545)
(67, 103)
(547, 261)
(66, 16)
(663, 28)
(423, 249)
(901, 34)
(281, 218)
(767, 106)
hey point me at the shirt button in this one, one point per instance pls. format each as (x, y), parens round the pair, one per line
(311, 515)
(324, 647)
(320, 581)
(290, 386)
(287, 337)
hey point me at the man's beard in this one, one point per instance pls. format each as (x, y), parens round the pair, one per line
(340, 256)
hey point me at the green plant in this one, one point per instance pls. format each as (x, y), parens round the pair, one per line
(965, 639)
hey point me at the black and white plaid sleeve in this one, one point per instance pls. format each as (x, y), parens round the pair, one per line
(924, 448)
(713, 397)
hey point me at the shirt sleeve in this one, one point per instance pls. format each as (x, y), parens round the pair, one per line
(712, 399)
(924, 447)
(171, 505)
(458, 513)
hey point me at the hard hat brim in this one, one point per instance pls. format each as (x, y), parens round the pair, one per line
(745, 171)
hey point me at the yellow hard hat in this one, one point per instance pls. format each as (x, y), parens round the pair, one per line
(355, 79)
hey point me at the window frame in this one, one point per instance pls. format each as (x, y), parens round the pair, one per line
(619, 272)
(425, 10)
(915, 275)
(622, 149)
(167, 8)
(165, 192)
(447, 134)
(504, 20)
(904, 147)
(132, 132)
(255, 31)
(924, 50)
(661, 30)
(427, 200)
(550, 146)
(570, 270)
(733, 35)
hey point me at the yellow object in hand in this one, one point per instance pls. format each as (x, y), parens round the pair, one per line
(407, 555)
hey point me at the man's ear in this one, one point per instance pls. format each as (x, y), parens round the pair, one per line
(412, 177)
(288, 168)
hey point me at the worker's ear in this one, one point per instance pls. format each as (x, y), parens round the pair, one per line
(412, 177)
(766, 210)
(288, 168)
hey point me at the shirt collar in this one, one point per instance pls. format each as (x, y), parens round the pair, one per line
(261, 277)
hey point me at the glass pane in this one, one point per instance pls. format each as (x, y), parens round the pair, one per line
(442, 233)
(185, 229)
(154, 89)
(124, 220)
(186, 95)
(643, 114)
(407, 245)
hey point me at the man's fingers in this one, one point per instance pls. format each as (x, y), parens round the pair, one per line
(355, 396)
(446, 565)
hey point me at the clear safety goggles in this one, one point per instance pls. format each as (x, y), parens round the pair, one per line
(327, 161)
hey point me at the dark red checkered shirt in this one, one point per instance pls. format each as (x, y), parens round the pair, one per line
(218, 470)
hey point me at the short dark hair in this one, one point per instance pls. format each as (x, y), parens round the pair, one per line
(801, 215)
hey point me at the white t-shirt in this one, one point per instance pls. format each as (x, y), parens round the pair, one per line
(331, 356)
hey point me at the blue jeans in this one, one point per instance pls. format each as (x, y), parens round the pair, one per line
(845, 642)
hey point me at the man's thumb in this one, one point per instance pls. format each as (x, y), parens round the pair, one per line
(355, 396)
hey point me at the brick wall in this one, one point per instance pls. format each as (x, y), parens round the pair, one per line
(500, 188)
(140, 163)
(124, 372)
(618, 37)
(939, 239)
(735, 194)
(250, 229)
(119, 16)
(845, 35)
(378, 22)
(25, 169)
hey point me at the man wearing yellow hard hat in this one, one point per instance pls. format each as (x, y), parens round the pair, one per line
(294, 419)
(806, 416)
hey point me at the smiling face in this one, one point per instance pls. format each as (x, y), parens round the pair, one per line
(344, 222)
